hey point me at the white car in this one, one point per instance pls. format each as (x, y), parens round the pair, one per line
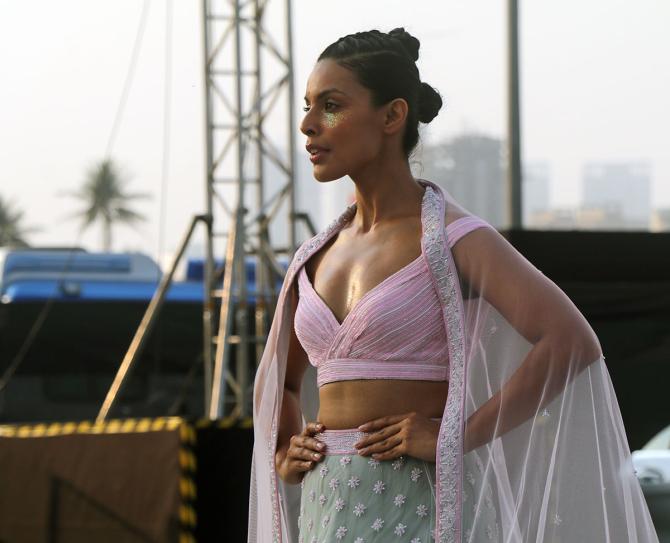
(652, 462)
(652, 466)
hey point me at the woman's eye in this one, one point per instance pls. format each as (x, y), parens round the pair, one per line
(326, 106)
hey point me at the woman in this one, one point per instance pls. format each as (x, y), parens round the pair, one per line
(461, 395)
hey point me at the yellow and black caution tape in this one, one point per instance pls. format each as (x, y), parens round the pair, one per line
(187, 487)
(112, 426)
(228, 422)
(188, 465)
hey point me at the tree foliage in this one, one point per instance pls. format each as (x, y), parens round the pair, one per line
(106, 201)
(12, 230)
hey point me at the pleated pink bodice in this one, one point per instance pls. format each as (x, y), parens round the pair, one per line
(395, 331)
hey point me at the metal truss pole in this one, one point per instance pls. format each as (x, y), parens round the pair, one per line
(208, 271)
(238, 46)
(289, 124)
(514, 171)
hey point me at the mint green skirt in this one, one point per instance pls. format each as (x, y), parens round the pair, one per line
(350, 498)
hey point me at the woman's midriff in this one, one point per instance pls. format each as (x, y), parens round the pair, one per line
(348, 404)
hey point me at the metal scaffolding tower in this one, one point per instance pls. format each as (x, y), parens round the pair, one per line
(248, 73)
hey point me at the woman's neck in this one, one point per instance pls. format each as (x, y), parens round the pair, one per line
(384, 194)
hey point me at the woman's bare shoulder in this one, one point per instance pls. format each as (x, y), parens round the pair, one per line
(454, 211)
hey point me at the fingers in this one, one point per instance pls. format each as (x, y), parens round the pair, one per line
(312, 443)
(377, 424)
(390, 454)
(302, 454)
(375, 437)
(302, 465)
(305, 449)
(382, 446)
(312, 428)
(306, 440)
(299, 463)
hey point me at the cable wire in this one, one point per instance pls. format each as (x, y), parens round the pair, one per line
(130, 74)
(167, 117)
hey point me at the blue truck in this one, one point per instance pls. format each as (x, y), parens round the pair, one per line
(68, 315)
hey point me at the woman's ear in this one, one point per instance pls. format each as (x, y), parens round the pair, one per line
(396, 113)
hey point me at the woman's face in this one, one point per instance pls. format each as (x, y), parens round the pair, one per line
(340, 122)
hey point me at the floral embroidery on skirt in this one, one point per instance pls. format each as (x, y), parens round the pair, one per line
(350, 498)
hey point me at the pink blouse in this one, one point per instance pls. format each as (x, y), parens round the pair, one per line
(395, 331)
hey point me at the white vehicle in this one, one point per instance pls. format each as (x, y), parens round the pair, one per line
(652, 466)
(652, 462)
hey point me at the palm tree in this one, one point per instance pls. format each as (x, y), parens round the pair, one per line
(104, 200)
(12, 232)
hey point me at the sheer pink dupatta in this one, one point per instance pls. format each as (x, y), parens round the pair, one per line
(272, 504)
(542, 455)
(551, 461)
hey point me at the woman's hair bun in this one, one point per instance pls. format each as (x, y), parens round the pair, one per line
(409, 42)
(430, 103)
(385, 64)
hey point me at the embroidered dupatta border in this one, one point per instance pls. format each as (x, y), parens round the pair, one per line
(450, 438)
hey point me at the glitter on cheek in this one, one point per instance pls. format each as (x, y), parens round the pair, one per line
(333, 119)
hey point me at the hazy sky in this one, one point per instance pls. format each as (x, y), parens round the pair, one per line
(594, 87)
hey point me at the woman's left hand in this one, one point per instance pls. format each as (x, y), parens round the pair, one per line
(409, 434)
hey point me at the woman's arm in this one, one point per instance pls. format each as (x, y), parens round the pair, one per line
(290, 420)
(296, 448)
(563, 341)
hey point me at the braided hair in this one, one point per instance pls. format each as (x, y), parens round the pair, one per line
(385, 63)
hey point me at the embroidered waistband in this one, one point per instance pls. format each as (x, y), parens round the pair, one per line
(342, 441)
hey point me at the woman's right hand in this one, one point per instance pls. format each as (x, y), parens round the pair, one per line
(303, 453)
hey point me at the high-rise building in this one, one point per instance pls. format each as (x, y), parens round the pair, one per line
(535, 191)
(470, 168)
(620, 188)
